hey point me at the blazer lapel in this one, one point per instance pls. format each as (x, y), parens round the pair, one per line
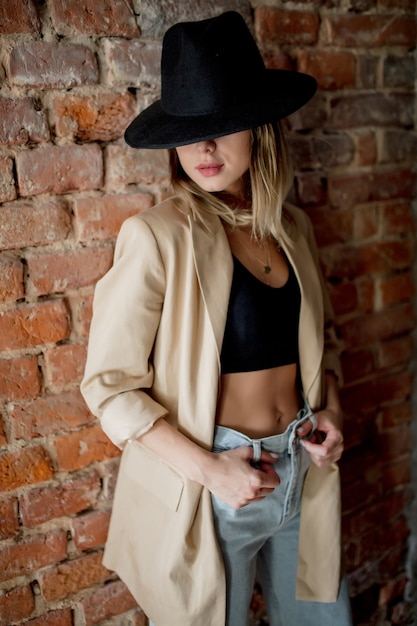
(310, 337)
(214, 267)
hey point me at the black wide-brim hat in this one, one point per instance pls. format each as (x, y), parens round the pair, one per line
(213, 83)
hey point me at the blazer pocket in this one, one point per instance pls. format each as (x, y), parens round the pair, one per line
(151, 473)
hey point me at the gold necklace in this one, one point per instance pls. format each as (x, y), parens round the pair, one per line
(267, 267)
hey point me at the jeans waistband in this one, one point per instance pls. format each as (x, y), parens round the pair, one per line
(230, 438)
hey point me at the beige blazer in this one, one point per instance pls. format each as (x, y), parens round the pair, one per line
(156, 335)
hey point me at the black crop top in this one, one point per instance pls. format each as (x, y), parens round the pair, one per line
(262, 323)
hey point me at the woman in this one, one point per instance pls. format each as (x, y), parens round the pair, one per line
(207, 357)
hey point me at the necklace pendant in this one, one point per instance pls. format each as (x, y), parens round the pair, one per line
(267, 269)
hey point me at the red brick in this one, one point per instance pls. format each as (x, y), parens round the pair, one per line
(395, 388)
(367, 70)
(112, 599)
(65, 364)
(90, 529)
(397, 414)
(7, 183)
(346, 190)
(19, 379)
(11, 278)
(311, 189)
(68, 578)
(44, 65)
(397, 474)
(374, 327)
(82, 306)
(365, 222)
(357, 365)
(74, 495)
(36, 224)
(357, 260)
(21, 123)
(61, 617)
(58, 169)
(315, 151)
(101, 218)
(32, 553)
(132, 63)
(129, 165)
(364, 521)
(82, 448)
(312, 115)
(370, 30)
(59, 272)
(113, 18)
(34, 325)
(344, 297)
(18, 16)
(399, 71)
(29, 465)
(49, 415)
(398, 146)
(280, 26)
(16, 605)
(331, 227)
(366, 148)
(332, 70)
(395, 289)
(99, 117)
(9, 521)
(396, 218)
(371, 109)
(396, 352)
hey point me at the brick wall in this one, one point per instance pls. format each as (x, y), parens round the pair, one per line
(72, 75)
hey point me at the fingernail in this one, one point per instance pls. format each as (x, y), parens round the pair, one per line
(274, 454)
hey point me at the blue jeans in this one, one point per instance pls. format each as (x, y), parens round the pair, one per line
(261, 539)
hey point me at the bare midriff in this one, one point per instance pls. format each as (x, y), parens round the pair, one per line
(261, 403)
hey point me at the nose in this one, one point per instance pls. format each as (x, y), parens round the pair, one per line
(209, 145)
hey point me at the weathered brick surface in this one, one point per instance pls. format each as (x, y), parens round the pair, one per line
(32, 553)
(90, 530)
(28, 466)
(16, 605)
(115, 18)
(73, 74)
(33, 325)
(7, 182)
(102, 117)
(68, 578)
(66, 168)
(23, 224)
(18, 17)
(21, 123)
(75, 495)
(50, 414)
(101, 218)
(60, 272)
(43, 65)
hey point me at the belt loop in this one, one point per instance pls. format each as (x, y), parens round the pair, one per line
(257, 449)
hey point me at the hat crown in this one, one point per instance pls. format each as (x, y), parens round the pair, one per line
(209, 66)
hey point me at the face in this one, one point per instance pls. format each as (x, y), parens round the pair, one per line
(218, 164)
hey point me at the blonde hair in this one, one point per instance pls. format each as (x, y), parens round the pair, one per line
(268, 181)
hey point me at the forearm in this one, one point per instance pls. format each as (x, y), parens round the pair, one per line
(176, 449)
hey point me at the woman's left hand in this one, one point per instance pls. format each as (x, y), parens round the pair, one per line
(326, 445)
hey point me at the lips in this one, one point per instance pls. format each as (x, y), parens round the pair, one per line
(209, 169)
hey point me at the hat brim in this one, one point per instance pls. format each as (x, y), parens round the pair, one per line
(283, 92)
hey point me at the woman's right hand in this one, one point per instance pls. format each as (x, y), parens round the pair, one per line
(231, 477)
